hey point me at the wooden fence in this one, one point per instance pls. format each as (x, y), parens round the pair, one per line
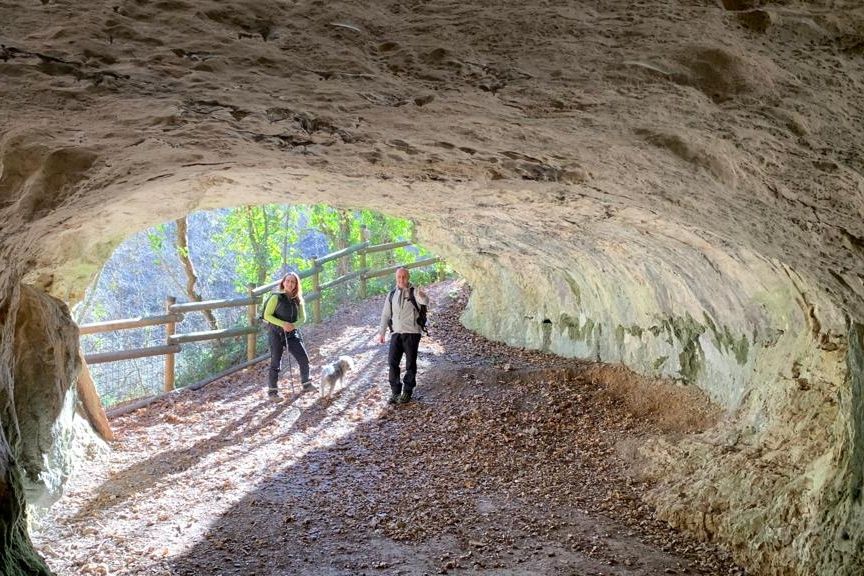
(174, 311)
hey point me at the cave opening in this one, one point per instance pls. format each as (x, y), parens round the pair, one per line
(673, 187)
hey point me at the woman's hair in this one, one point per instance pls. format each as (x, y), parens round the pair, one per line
(299, 292)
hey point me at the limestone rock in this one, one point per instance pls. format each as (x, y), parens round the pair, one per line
(675, 186)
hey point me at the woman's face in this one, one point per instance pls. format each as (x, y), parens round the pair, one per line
(289, 284)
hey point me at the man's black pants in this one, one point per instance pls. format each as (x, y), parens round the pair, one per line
(277, 339)
(406, 344)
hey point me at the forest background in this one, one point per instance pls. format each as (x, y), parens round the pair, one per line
(216, 255)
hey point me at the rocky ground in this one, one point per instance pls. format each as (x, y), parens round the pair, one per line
(507, 462)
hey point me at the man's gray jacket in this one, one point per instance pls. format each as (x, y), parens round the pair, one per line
(404, 313)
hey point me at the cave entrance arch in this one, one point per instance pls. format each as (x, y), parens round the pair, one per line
(616, 281)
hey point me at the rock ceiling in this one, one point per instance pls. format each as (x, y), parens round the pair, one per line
(741, 124)
(676, 185)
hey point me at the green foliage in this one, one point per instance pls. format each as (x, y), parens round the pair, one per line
(346, 227)
(262, 239)
(200, 361)
(327, 220)
(156, 237)
(99, 312)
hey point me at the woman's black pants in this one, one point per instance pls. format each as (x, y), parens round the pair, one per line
(279, 339)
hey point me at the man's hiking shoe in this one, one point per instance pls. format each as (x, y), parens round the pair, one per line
(307, 386)
(404, 398)
(273, 395)
(394, 398)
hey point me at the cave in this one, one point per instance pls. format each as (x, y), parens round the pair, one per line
(674, 186)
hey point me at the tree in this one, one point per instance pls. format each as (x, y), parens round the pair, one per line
(262, 240)
(182, 244)
(338, 225)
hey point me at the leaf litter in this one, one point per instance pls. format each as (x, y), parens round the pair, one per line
(508, 461)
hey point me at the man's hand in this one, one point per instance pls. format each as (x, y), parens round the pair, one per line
(380, 338)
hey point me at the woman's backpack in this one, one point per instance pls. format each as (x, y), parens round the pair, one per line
(264, 305)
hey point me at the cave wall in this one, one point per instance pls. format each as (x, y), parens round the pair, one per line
(663, 298)
(677, 186)
(46, 365)
(40, 362)
(761, 340)
(16, 555)
(841, 521)
(690, 312)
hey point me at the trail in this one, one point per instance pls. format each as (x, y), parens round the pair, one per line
(508, 462)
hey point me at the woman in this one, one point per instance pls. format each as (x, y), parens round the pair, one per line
(284, 313)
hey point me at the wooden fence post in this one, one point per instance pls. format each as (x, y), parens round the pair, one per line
(250, 311)
(316, 288)
(361, 293)
(169, 358)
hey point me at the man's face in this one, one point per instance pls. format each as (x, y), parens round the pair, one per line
(402, 278)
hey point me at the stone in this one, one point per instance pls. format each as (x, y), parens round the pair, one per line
(677, 188)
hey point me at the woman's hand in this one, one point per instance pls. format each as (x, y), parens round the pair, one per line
(288, 327)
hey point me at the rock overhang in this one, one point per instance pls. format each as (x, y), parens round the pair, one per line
(676, 187)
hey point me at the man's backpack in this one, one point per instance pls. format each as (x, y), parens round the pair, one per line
(422, 311)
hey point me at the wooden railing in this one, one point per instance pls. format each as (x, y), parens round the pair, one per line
(174, 312)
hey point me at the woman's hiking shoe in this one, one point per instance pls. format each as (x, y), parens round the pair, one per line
(307, 386)
(394, 399)
(404, 398)
(273, 395)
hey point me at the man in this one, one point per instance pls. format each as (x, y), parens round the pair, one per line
(400, 312)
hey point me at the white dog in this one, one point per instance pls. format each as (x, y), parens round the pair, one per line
(334, 373)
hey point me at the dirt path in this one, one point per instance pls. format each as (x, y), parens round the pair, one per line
(505, 464)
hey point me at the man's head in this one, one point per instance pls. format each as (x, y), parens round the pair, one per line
(402, 277)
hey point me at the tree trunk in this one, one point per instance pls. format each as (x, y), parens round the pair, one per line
(344, 265)
(89, 296)
(259, 245)
(90, 403)
(285, 226)
(191, 276)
